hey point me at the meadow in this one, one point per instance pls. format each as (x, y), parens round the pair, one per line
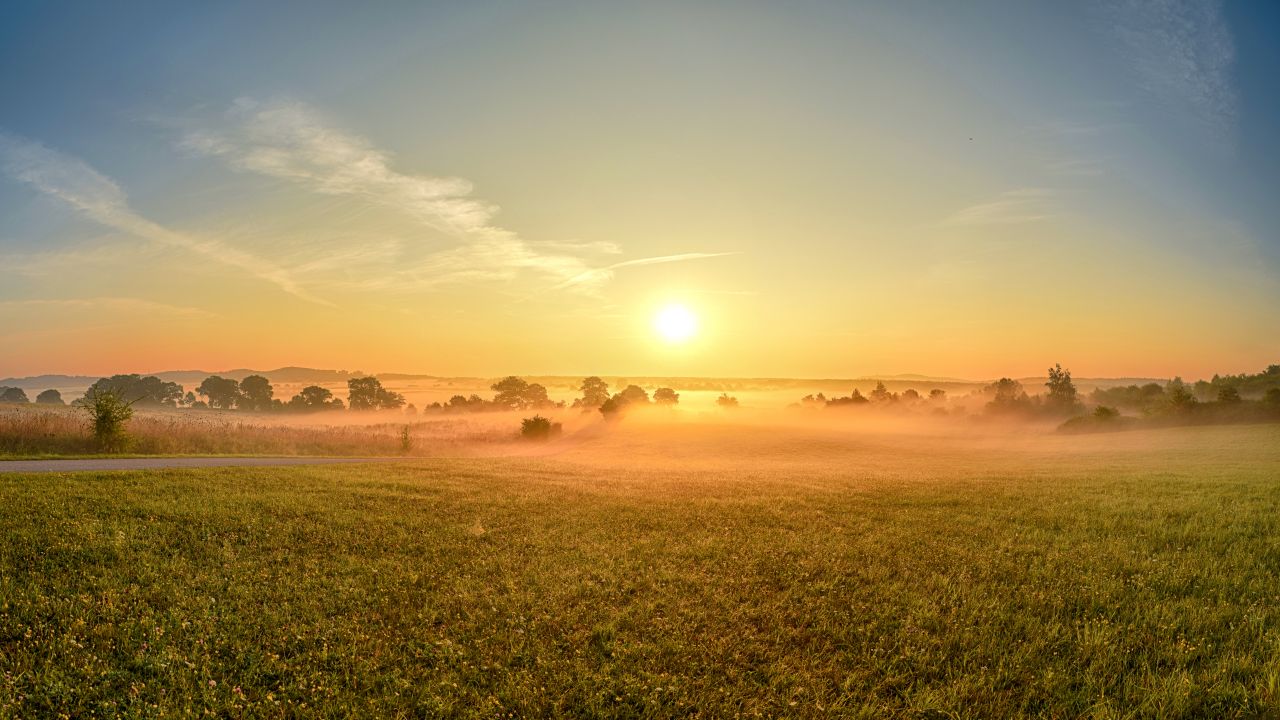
(709, 568)
(42, 432)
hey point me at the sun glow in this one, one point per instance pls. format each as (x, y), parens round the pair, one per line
(675, 323)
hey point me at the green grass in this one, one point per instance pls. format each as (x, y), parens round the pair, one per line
(641, 574)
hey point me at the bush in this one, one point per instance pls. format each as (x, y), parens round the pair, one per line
(50, 397)
(13, 395)
(108, 412)
(539, 428)
(726, 401)
(612, 409)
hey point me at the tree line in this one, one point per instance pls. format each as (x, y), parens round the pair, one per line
(1229, 398)
(255, 393)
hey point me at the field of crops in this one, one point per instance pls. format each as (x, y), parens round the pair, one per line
(708, 569)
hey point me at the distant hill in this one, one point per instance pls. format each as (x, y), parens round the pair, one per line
(44, 382)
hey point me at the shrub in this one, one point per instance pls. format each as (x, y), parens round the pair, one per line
(1103, 413)
(50, 397)
(611, 409)
(539, 428)
(13, 395)
(726, 401)
(108, 412)
(666, 396)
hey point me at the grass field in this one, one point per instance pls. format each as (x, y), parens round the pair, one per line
(42, 432)
(700, 570)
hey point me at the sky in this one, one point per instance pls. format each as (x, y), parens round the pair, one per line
(833, 189)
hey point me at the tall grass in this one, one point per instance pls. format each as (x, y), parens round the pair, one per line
(35, 432)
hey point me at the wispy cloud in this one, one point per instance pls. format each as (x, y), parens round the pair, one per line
(596, 276)
(100, 199)
(1182, 52)
(291, 142)
(1009, 208)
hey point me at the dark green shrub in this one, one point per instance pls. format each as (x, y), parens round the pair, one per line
(108, 412)
(538, 428)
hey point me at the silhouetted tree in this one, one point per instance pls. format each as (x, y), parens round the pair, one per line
(314, 398)
(855, 398)
(666, 396)
(50, 397)
(1227, 394)
(881, 394)
(1006, 396)
(535, 396)
(222, 393)
(937, 394)
(611, 409)
(142, 391)
(510, 392)
(1248, 385)
(1062, 392)
(255, 393)
(594, 393)
(362, 393)
(726, 402)
(1178, 397)
(367, 393)
(13, 395)
(411, 409)
(1147, 398)
(910, 394)
(390, 400)
(633, 395)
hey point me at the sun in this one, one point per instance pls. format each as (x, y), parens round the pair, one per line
(675, 323)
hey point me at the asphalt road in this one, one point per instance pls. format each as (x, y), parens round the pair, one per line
(34, 466)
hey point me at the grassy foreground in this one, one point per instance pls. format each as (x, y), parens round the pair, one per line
(800, 574)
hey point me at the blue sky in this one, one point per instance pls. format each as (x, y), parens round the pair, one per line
(830, 172)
